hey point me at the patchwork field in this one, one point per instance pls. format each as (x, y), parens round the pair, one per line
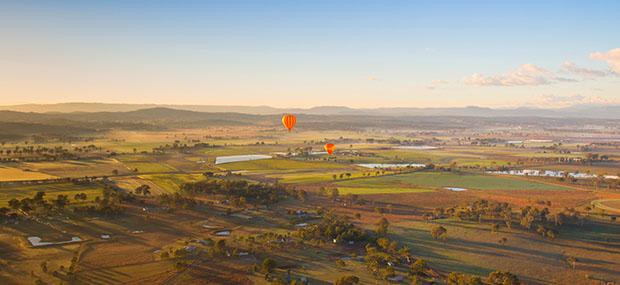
(17, 174)
(473, 248)
(281, 165)
(51, 191)
(148, 226)
(379, 190)
(73, 168)
(447, 179)
(612, 205)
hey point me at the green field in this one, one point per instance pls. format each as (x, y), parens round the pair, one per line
(379, 190)
(472, 248)
(172, 182)
(448, 179)
(149, 167)
(312, 177)
(280, 164)
(77, 168)
(51, 190)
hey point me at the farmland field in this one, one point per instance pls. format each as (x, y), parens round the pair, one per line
(17, 174)
(280, 164)
(72, 168)
(51, 191)
(379, 190)
(441, 180)
(612, 205)
(309, 142)
(133, 236)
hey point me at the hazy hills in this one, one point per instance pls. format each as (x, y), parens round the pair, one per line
(580, 111)
(17, 125)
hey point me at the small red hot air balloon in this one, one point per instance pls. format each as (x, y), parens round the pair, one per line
(329, 148)
(289, 121)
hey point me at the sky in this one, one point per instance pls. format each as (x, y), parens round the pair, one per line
(311, 53)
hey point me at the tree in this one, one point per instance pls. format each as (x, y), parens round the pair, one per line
(80, 196)
(502, 241)
(418, 267)
(14, 204)
(44, 266)
(334, 193)
(143, 190)
(61, 201)
(302, 195)
(572, 261)
(494, 228)
(347, 280)
(439, 232)
(208, 174)
(382, 226)
(502, 278)
(455, 278)
(268, 265)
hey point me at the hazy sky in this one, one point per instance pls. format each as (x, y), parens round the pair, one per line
(310, 53)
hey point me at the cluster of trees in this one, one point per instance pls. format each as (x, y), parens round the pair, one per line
(333, 228)
(257, 193)
(109, 204)
(494, 278)
(45, 153)
(176, 201)
(178, 146)
(40, 206)
(384, 255)
(531, 218)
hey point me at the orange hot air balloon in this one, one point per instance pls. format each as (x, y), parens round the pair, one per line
(289, 121)
(330, 147)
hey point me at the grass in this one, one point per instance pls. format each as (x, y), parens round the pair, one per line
(312, 177)
(51, 191)
(149, 167)
(280, 164)
(472, 248)
(448, 179)
(612, 205)
(379, 190)
(76, 168)
(172, 182)
(16, 174)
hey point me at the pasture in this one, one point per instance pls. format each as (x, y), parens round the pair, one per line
(51, 191)
(474, 249)
(380, 190)
(17, 174)
(77, 168)
(147, 227)
(285, 165)
(449, 179)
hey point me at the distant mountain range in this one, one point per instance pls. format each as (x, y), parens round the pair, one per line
(579, 111)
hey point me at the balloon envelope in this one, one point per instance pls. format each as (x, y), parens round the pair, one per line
(289, 121)
(329, 148)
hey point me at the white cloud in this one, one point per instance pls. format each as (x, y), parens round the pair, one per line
(526, 74)
(611, 57)
(571, 67)
(436, 83)
(372, 78)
